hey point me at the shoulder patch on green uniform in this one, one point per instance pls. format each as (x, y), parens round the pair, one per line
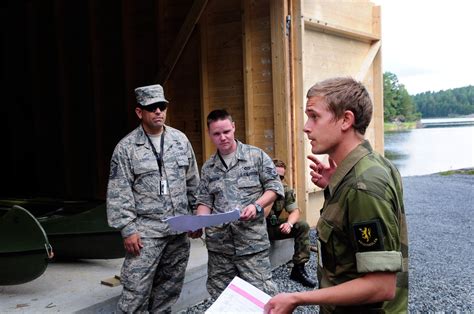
(368, 236)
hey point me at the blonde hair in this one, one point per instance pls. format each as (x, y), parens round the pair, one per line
(345, 93)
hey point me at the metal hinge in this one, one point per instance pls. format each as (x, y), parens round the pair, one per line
(288, 24)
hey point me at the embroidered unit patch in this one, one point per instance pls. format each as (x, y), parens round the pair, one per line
(368, 236)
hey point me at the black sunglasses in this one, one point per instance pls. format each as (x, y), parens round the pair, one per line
(152, 107)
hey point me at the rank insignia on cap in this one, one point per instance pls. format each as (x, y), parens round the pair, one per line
(368, 236)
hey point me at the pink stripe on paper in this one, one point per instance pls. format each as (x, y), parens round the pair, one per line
(245, 294)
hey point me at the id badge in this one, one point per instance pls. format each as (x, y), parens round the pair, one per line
(164, 187)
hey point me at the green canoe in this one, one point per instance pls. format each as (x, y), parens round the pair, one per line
(24, 249)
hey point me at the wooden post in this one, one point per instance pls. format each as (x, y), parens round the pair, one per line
(282, 108)
(248, 72)
(378, 85)
(207, 148)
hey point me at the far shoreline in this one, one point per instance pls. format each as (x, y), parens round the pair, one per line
(462, 171)
(397, 126)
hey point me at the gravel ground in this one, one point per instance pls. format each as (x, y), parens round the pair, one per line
(439, 214)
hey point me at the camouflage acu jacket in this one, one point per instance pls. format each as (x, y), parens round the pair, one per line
(362, 228)
(246, 179)
(134, 203)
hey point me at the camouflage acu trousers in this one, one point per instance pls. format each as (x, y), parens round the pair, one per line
(253, 268)
(300, 232)
(152, 281)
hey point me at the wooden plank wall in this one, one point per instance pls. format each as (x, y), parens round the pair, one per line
(258, 75)
(182, 89)
(236, 69)
(221, 65)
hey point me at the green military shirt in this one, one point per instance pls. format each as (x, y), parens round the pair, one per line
(288, 203)
(362, 228)
(241, 184)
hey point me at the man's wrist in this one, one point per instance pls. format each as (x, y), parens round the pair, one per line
(289, 223)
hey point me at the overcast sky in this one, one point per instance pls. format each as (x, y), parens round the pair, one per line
(429, 45)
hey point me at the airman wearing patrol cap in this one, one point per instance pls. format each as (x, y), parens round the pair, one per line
(153, 175)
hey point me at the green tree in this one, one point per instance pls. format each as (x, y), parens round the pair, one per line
(398, 104)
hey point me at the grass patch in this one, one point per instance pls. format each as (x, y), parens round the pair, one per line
(459, 171)
(394, 155)
(400, 126)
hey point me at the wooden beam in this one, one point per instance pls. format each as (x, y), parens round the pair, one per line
(183, 36)
(325, 27)
(369, 59)
(378, 85)
(282, 108)
(298, 102)
(207, 148)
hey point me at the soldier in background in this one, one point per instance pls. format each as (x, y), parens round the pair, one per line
(153, 175)
(244, 177)
(291, 227)
(362, 235)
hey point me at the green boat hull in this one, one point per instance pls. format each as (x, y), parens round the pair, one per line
(84, 235)
(24, 253)
(76, 229)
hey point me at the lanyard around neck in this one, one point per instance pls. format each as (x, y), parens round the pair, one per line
(158, 156)
(222, 160)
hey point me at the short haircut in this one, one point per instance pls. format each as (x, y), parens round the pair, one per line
(218, 114)
(345, 93)
(279, 163)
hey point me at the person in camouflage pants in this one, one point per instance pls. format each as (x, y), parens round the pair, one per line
(244, 177)
(153, 175)
(362, 232)
(279, 227)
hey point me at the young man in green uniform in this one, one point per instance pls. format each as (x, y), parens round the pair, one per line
(363, 255)
(280, 227)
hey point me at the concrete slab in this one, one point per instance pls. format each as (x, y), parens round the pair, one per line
(75, 287)
(64, 287)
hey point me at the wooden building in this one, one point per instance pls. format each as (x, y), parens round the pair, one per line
(72, 66)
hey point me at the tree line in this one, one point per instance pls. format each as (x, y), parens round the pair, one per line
(446, 103)
(401, 106)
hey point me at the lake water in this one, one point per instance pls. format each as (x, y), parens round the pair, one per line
(430, 150)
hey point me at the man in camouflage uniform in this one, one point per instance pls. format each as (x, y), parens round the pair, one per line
(362, 235)
(244, 177)
(153, 175)
(290, 227)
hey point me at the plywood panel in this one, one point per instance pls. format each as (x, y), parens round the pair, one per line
(352, 14)
(318, 54)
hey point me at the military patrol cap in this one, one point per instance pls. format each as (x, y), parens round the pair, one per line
(147, 95)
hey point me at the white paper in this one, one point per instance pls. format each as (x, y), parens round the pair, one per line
(195, 222)
(239, 297)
